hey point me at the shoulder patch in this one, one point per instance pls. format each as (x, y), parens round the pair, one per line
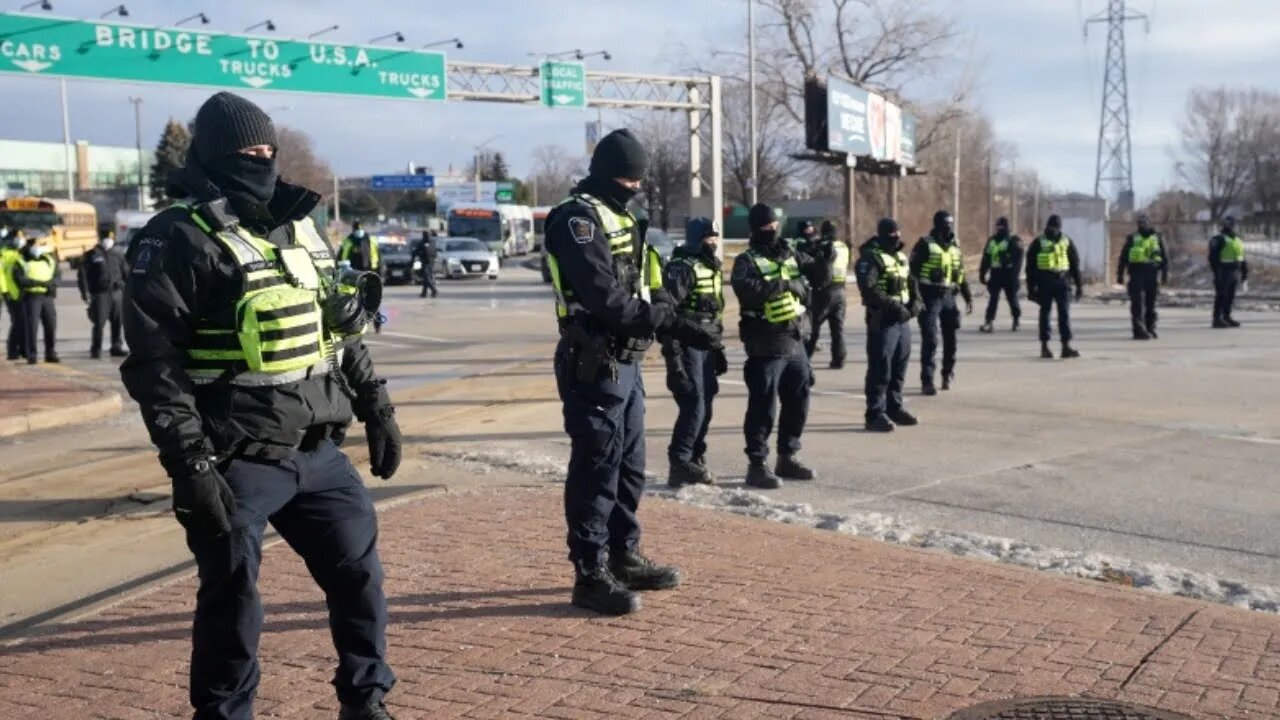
(582, 229)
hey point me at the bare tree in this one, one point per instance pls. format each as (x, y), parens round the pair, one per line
(555, 171)
(1260, 134)
(1215, 159)
(666, 184)
(777, 170)
(299, 163)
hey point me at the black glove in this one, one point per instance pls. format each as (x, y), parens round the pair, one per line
(1033, 294)
(721, 361)
(799, 287)
(1119, 278)
(202, 500)
(914, 307)
(982, 278)
(678, 381)
(385, 441)
(968, 306)
(1079, 292)
(897, 312)
(691, 333)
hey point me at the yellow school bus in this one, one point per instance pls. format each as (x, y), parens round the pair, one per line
(72, 225)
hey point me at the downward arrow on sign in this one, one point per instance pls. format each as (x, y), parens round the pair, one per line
(255, 82)
(563, 99)
(34, 66)
(422, 92)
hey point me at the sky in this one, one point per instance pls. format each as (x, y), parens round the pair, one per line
(1037, 77)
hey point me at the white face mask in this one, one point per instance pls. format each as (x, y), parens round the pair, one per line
(37, 251)
(107, 243)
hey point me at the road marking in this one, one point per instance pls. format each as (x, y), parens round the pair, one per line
(1249, 439)
(428, 338)
(379, 343)
(830, 393)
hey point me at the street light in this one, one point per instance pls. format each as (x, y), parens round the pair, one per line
(478, 148)
(137, 122)
(271, 27)
(399, 36)
(317, 33)
(576, 54)
(456, 42)
(44, 5)
(204, 19)
(120, 10)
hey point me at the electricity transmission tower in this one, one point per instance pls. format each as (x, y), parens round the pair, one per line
(1115, 156)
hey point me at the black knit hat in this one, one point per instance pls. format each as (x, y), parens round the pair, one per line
(227, 123)
(886, 227)
(619, 155)
(828, 228)
(1002, 222)
(760, 215)
(1054, 222)
(942, 219)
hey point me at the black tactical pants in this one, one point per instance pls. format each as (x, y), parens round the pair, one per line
(774, 381)
(1225, 282)
(939, 313)
(689, 436)
(105, 308)
(888, 355)
(16, 342)
(40, 312)
(1006, 283)
(1144, 288)
(828, 306)
(1055, 290)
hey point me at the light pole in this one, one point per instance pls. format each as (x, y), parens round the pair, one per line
(137, 124)
(456, 42)
(119, 10)
(322, 31)
(476, 162)
(751, 92)
(268, 24)
(399, 36)
(204, 19)
(44, 5)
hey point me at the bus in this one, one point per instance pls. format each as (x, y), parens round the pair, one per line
(507, 229)
(72, 225)
(539, 225)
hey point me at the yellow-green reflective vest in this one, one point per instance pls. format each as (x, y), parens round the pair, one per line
(652, 268)
(998, 251)
(895, 272)
(785, 306)
(9, 259)
(349, 246)
(41, 270)
(944, 267)
(840, 262)
(1145, 250)
(1052, 256)
(619, 230)
(707, 292)
(1232, 249)
(277, 336)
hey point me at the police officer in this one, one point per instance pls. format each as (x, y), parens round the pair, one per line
(101, 280)
(694, 281)
(247, 365)
(891, 295)
(10, 260)
(1051, 259)
(827, 283)
(360, 250)
(938, 267)
(1001, 260)
(768, 280)
(37, 277)
(1226, 258)
(1144, 256)
(603, 276)
(426, 253)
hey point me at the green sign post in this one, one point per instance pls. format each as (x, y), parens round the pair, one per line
(564, 84)
(39, 45)
(504, 192)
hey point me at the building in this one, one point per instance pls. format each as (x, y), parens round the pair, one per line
(105, 176)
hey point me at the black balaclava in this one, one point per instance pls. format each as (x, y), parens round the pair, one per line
(225, 125)
(618, 155)
(1053, 228)
(1229, 225)
(887, 234)
(1002, 227)
(828, 232)
(1144, 224)
(807, 230)
(758, 217)
(943, 226)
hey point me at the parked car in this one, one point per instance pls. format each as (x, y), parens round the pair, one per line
(397, 262)
(460, 257)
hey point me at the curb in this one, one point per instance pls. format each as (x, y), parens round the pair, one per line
(106, 405)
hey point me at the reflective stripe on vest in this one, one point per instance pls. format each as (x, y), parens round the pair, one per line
(1145, 250)
(618, 230)
(1052, 256)
(707, 296)
(895, 272)
(944, 267)
(785, 306)
(41, 270)
(278, 336)
(1232, 250)
(9, 260)
(840, 262)
(998, 251)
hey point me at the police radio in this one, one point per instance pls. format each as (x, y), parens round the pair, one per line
(354, 302)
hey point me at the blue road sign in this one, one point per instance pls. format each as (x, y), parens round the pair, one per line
(402, 182)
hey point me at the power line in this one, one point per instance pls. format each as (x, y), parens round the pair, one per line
(1115, 151)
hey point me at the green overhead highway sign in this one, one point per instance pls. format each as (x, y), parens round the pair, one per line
(505, 192)
(564, 84)
(40, 45)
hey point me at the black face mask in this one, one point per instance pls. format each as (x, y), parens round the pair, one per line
(1002, 232)
(244, 178)
(767, 238)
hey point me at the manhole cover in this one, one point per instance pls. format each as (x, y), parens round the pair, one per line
(1062, 708)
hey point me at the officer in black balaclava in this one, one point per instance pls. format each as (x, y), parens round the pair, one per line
(247, 389)
(892, 297)
(1146, 260)
(938, 267)
(609, 314)
(1226, 259)
(999, 270)
(772, 292)
(1053, 263)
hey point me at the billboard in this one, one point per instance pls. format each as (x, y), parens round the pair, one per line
(858, 122)
(907, 144)
(847, 118)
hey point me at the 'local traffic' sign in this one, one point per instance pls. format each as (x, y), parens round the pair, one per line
(564, 84)
(40, 45)
(505, 192)
(402, 182)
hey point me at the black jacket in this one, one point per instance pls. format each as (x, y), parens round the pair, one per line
(180, 276)
(761, 337)
(820, 273)
(1162, 266)
(879, 304)
(426, 252)
(102, 271)
(1215, 262)
(678, 280)
(587, 268)
(1035, 276)
(920, 255)
(1010, 270)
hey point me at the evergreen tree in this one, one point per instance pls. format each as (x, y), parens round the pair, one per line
(497, 169)
(171, 154)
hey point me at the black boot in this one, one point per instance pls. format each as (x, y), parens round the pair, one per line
(636, 572)
(1230, 321)
(985, 327)
(902, 417)
(836, 364)
(52, 358)
(927, 388)
(1220, 323)
(1069, 352)
(760, 476)
(373, 711)
(1015, 325)
(1140, 333)
(595, 588)
(879, 424)
(705, 476)
(947, 377)
(1152, 332)
(119, 352)
(681, 474)
(95, 354)
(792, 469)
(1045, 352)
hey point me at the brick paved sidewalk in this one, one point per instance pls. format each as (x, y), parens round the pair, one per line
(45, 396)
(774, 621)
